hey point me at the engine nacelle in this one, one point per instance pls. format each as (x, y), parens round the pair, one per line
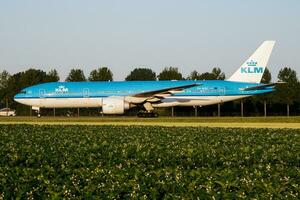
(113, 105)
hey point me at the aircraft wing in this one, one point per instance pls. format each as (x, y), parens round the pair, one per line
(261, 87)
(165, 92)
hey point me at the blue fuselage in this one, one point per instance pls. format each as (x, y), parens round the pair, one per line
(129, 88)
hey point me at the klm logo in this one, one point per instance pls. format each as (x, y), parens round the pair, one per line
(252, 63)
(61, 89)
(252, 70)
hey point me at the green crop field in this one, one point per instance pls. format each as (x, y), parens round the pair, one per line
(147, 162)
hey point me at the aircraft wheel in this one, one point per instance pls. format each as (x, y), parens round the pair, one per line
(147, 114)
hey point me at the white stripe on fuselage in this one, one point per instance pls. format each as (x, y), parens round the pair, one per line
(61, 102)
(97, 102)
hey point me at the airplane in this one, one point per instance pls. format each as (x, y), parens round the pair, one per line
(116, 97)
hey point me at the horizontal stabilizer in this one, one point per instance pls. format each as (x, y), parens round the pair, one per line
(261, 87)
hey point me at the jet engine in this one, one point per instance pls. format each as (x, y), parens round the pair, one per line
(113, 105)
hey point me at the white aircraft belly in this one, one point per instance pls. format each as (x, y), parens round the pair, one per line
(196, 100)
(62, 102)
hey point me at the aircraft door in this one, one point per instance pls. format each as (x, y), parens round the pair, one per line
(221, 91)
(86, 92)
(42, 93)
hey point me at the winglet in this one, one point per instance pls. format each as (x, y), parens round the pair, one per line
(253, 69)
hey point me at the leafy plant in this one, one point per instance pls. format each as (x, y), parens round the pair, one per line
(117, 162)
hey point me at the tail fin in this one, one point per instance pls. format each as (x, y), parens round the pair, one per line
(253, 69)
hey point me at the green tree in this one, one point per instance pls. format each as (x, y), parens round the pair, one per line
(194, 75)
(4, 77)
(32, 77)
(141, 74)
(206, 76)
(267, 77)
(217, 74)
(52, 76)
(287, 93)
(287, 75)
(170, 73)
(76, 75)
(101, 74)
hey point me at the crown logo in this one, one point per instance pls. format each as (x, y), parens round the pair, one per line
(61, 89)
(252, 63)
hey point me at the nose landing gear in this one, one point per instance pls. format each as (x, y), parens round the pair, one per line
(37, 110)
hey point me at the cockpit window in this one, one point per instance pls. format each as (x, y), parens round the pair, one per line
(23, 92)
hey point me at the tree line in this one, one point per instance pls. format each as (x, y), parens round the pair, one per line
(284, 101)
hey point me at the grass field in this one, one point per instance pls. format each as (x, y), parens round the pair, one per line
(147, 162)
(245, 122)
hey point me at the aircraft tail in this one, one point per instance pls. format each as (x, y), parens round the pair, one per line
(253, 69)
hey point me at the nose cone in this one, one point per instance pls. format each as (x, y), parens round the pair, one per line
(17, 97)
(22, 98)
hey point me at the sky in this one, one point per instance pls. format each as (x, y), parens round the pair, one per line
(123, 35)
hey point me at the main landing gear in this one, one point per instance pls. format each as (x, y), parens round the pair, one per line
(147, 114)
(147, 111)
